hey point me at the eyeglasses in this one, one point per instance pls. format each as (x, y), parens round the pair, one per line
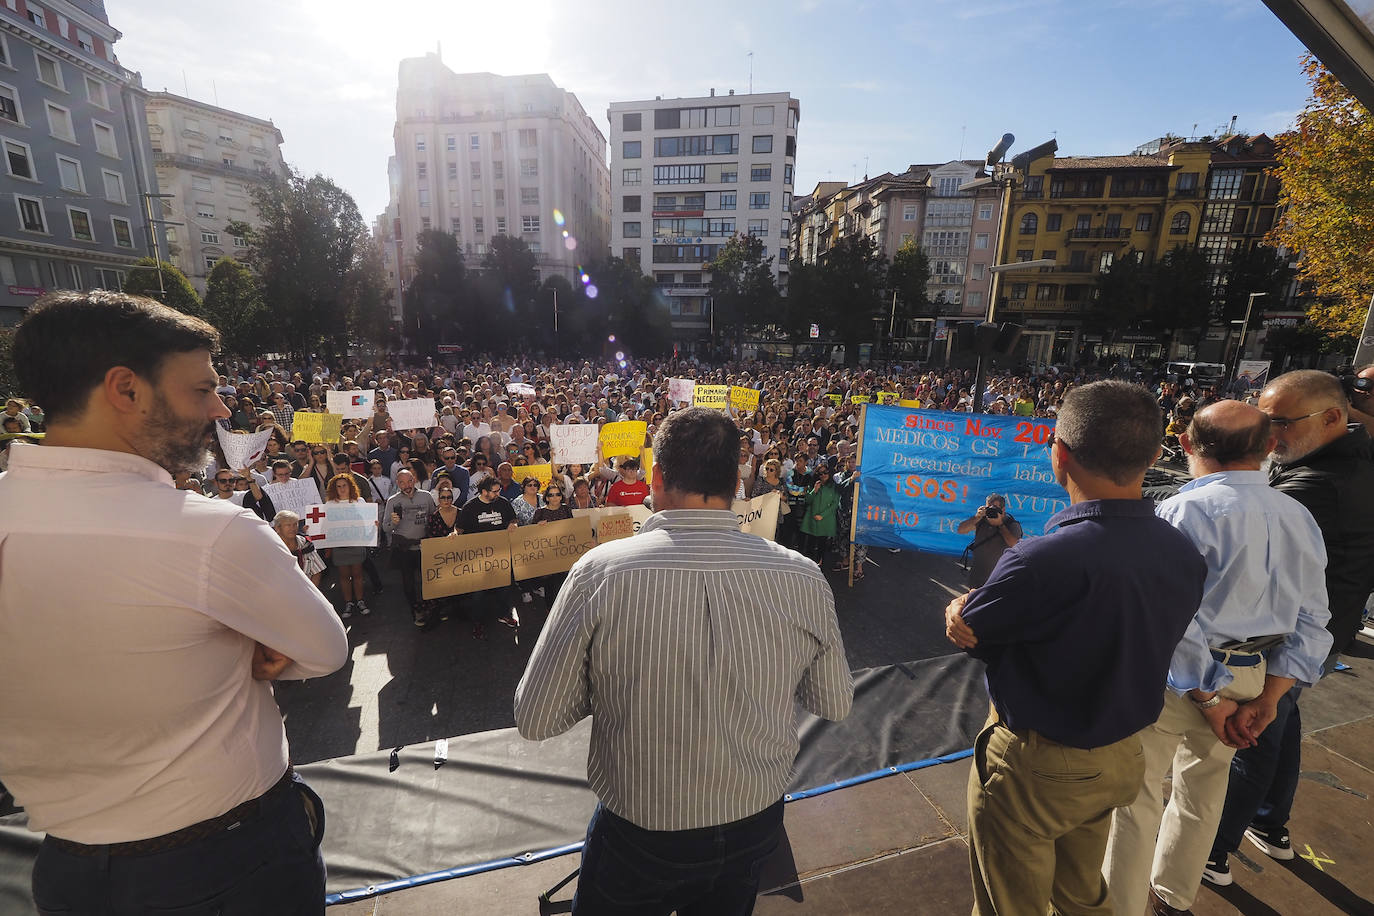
(1285, 422)
(448, 496)
(319, 454)
(224, 480)
(531, 486)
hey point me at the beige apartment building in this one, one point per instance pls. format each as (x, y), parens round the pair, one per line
(480, 155)
(208, 159)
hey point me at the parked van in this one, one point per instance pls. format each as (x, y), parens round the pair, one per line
(1206, 373)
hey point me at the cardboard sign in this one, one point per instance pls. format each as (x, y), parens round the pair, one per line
(543, 550)
(834, 399)
(317, 427)
(680, 390)
(574, 443)
(859, 399)
(338, 524)
(416, 413)
(464, 564)
(540, 472)
(744, 398)
(887, 397)
(759, 515)
(296, 495)
(242, 449)
(717, 396)
(351, 405)
(623, 439)
(520, 389)
(615, 526)
(638, 515)
(914, 405)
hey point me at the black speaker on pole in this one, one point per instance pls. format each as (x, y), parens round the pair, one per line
(1008, 335)
(963, 336)
(985, 338)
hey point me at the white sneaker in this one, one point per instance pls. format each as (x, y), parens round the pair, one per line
(347, 612)
(363, 608)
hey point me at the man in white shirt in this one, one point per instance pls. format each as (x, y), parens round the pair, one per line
(156, 661)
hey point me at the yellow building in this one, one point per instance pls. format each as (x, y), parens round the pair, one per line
(1085, 213)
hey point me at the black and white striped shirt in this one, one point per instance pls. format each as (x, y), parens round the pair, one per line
(687, 645)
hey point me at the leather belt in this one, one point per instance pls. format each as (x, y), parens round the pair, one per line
(198, 831)
(1234, 659)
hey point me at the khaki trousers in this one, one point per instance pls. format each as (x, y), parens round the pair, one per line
(1039, 813)
(1201, 767)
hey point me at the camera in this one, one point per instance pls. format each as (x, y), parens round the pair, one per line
(992, 512)
(1354, 385)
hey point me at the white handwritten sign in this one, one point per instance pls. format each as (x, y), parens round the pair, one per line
(242, 449)
(416, 413)
(574, 443)
(351, 405)
(680, 389)
(339, 524)
(296, 495)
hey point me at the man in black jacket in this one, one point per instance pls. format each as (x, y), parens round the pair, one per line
(1329, 468)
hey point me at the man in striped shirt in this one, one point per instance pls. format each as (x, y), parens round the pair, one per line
(688, 645)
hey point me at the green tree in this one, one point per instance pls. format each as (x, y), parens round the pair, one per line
(1259, 270)
(510, 273)
(315, 259)
(635, 311)
(233, 303)
(432, 310)
(1326, 167)
(174, 290)
(908, 276)
(1123, 295)
(9, 382)
(1180, 290)
(743, 293)
(845, 293)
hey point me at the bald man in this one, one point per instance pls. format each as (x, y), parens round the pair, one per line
(1329, 468)
(1264, 592)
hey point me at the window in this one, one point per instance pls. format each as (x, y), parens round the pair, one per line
(201, 183)
(69, 172)
(36, 16)
(629, 203)
(1144, 221)
(1105, 264)
(123, 232)
(978, 270)
(500, 225)
(908, 212)
(498, 197)
(1112, 222)
(975, 300)
(758, 227)
(761, 173)
(451, 143)
(172, 234)
(31, 216)
(679, 174)
(60, 122)
(727, 201)
(790, 150)
(74, 275)
(5, 48)
(422, 170)
(110, 279)
(420, 141)
(949, 187)
(474, 141)
(1048, 256)
(455, 225)
(529, 137)
(630, 177)
(630, 230)
(19, 160)
(475, 170)
(1024, 254)
(227, 160)
(529, 196)
(758, 200)
(1053, 221)
(985, 211)
(195, 153)
(631, 121)
(1019, 290)
(1187, 182)
(105, 140)
(479, 226)
(10, 109)
(498, 170)
(424, 224)
(209, 238)
(980, 241)
(49, 71)
(787, 201)
(1078, 260)
(787, 174)
(205, 211)
(786, 228)
(534, 246)
(453, 171)
(629, 149)
(240, 241)
(630, 254)
(1182, 220)
(1083, 221)
(496, 142)
(226, 135)
(1046, 292)
(210, 262)
(729, 175)
(1030, 223)
(529, 168)
(255, 144)
(424, 197)
(529, 224)
(477, 197)
(763, 144)
(763, 114)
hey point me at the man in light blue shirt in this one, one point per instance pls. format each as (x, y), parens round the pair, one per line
(1261, 628)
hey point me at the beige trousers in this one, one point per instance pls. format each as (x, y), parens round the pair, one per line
(1201, 767)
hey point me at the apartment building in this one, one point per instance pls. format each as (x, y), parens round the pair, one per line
(481, 155)
(76, 162)
(208, 160)
(689, 173)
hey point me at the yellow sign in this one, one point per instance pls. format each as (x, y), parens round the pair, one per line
(887, 397)
(858, 399)
(744, 398)
(316, 427)
(623, 439)
(717, 396)
(466, 563)
(542, 550)
(914, 405)
(646, 463)
(834, 398)
(540, 472)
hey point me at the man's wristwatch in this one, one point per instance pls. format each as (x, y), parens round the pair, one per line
(1215, 700)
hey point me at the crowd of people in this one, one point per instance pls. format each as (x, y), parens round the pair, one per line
(1120, 635)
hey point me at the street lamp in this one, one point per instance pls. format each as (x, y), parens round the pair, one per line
(1240, 348)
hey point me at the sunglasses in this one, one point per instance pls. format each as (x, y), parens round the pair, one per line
(448, 496)
(224, 480)
(531, 486)
(319, 454)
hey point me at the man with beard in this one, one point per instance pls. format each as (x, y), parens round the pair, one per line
(489, 511)
(407, 510)
(156, 659)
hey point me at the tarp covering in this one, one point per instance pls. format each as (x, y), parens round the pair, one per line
(499, 795)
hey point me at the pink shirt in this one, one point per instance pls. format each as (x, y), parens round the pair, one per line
(129, 611)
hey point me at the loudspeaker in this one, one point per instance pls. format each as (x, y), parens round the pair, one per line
(1007, 337)
(985, 338)
(963, 336)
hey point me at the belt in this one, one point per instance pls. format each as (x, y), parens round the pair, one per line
(198, 831)
(1233, 658)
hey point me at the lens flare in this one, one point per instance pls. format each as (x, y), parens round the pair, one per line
(565, 233)
(558, 217)
(570, 244)
(611, 338)
(586, 278)
(591, 290)
(619, 354)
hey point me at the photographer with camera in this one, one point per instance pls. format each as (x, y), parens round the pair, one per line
(994, 531)
(1359, 388)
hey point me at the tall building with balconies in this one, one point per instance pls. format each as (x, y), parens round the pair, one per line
(687, 174)
(208, 161)
(76, 154)
(481, 155)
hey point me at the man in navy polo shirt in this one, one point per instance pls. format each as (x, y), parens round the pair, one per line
(1077, 629)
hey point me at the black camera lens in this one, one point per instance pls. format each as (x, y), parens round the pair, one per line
(993, 512)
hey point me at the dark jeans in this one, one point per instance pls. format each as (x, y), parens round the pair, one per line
(407, 563)
(1264, 778)
(269, 863)
(710, 871)
(814, 546)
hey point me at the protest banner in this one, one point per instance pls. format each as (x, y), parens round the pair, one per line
(646, 464)
(623, 439)
(637, 516)
(337, 524)
(925, 471)
(416, 413)
(464, 564)
(540, 472)
(543, 550)
(317, 428)
(887, 397)
(614, 526)
(573, 443)
(913, 405)
(296, 495)
(521, 389)
(717, 396)
(759, 515)
(351, 405)
(680, 390)
(744, 398)
(835, 399)
(242, 449)
(859, 399)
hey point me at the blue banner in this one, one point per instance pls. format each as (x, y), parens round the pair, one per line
(925, 471)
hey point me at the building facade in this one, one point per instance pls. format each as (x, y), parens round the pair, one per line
(77, 159)
(208, 160)
(689, 173)
(480, 155)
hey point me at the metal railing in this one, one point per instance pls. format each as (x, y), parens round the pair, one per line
(1101, 232)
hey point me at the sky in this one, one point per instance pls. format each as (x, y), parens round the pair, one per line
(881, 85)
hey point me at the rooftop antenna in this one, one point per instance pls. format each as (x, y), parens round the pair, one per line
(751, 72)
(215, 89)
(962, 131)
(185, 86)
(865, 168)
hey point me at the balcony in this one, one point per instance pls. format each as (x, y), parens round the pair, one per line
(684, 289)
(1030, 195)
(1040, 305)
(1185, 192)
(206, 165)
(193, 134)
(1101, 232)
